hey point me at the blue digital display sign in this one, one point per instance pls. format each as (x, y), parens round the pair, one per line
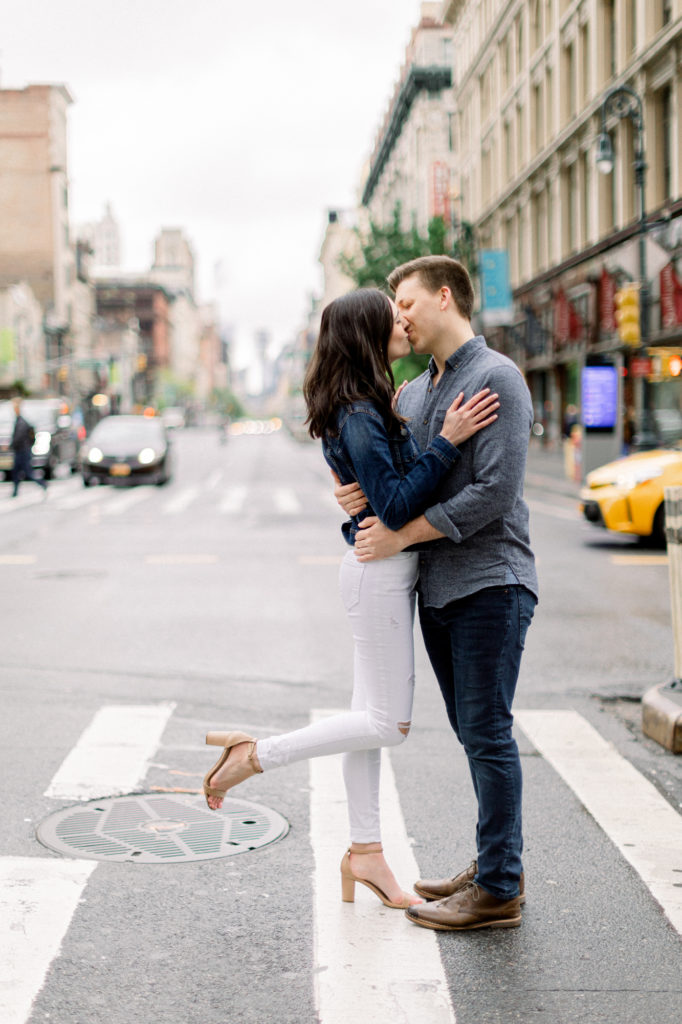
(600, 397)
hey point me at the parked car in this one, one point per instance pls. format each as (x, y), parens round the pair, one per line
(626, 496)
(127, 450)
(56, 435)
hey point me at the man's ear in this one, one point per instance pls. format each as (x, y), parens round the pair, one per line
(445, 297)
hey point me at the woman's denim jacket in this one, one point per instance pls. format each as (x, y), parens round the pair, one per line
(398, 479)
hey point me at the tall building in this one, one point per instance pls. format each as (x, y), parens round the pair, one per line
(412, 157)
(104, 239)
(35, 243)
(530, 85)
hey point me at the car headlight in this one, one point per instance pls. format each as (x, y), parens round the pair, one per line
(41, 445)
(633, 478)
(95, 455)
(146, 456)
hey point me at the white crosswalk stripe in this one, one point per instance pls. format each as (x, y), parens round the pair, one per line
(354, 977)
(181, 501)
(233, 500)
(286, 501)
(645, 828)
(38, 898)
(122, 502)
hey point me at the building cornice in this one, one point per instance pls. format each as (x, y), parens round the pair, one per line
(419, 79)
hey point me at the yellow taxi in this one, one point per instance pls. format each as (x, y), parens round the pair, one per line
(626, 496)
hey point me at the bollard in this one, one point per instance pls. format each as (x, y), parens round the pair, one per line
(662, 706)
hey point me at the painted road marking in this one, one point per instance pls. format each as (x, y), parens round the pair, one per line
(38, 898)
(122, 502)
(639, 821)
(371, 964)
(320, 559)
(112, 755)
(180, 502)
(17, 559)
(36, 497)
(286, 501)
(233, 500)
(639, 559)
(85, 497)
(181, 559)
(545, 508)
(214, 479)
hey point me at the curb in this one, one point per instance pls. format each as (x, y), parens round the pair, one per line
(662, 716)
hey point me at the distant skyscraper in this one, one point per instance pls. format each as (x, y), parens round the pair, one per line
(104, 238)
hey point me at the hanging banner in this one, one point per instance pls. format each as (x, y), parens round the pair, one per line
(497, 305)
(567, 323)
(440, 192)
(671, 297)
(607, 303)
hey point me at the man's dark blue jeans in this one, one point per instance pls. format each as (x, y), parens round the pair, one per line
(475, 646)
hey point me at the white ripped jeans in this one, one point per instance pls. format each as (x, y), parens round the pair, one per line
(379, 601)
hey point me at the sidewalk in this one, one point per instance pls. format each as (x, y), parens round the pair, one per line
(546, 468)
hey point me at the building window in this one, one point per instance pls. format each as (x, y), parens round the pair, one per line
(508, 153)
(585, 55)
(585, 205)
(664, 155)
(538, 118)
(569, 83)
(519, 45)
(609, 23)
(667, 12)
(630, 25)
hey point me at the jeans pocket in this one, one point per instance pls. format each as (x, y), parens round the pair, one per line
(350, 582)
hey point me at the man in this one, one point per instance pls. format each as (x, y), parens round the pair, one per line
(477, 580)
(23, 437)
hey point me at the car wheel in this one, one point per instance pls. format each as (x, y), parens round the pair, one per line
(87, 481)
(658, 530)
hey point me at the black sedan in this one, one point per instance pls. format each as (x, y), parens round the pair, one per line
(127, 450)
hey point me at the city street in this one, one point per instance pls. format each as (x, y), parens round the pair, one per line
(134, 620)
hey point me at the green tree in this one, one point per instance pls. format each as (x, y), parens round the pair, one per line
(381, 250)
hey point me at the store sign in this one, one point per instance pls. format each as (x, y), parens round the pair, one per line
(640, 366)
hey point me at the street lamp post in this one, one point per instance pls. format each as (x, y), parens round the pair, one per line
(623, 102)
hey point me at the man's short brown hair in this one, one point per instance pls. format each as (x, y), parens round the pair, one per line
(437, 272)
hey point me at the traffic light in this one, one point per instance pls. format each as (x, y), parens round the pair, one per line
(627, 315)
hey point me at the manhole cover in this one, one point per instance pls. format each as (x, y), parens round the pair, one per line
(160, 829)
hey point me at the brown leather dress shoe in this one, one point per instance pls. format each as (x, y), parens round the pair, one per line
(439, 888)
(471, 907)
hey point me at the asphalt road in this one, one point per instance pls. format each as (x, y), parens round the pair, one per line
(215, 599)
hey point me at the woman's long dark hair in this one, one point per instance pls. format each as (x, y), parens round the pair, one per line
(350, 361)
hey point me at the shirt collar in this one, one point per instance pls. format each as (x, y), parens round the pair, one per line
(462, 355)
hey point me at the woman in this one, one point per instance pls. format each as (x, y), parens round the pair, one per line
(349, 392)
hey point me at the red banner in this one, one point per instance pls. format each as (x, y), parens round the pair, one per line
(671, 297)
(607, 303)
(440, 205)
(567, 324)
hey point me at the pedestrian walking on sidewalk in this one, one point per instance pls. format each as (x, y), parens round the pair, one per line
(349, 391)
(477, 581)
(23, 438)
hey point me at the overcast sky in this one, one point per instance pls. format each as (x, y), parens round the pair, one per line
(241, 122)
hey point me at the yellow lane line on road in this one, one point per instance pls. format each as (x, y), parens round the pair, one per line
(639, 559)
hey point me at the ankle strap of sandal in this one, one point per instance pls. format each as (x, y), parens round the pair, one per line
(360, 853)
